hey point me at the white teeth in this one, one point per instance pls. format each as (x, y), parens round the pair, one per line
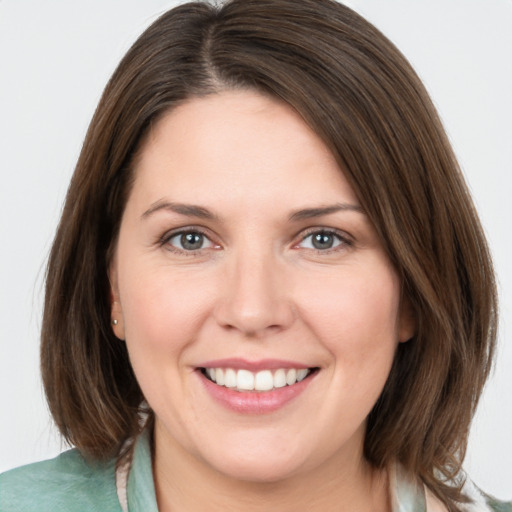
(280, 379)
(301, 374)
(230, 378)
(264, 380)
(219, 376)
(291, 376)
(245, 380)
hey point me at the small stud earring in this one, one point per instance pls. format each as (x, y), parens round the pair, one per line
(114, 322)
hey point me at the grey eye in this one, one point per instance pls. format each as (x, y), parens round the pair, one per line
(190, 241)
(321, 241)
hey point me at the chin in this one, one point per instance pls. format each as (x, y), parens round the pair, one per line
(261, 473)
(259, 466)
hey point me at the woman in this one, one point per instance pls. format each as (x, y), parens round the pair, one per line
(268, 284)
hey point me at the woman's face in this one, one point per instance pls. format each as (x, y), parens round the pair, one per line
(245, 258)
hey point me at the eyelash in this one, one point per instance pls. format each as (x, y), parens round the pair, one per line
(344, 241)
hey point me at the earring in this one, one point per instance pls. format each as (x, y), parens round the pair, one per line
(114, 322)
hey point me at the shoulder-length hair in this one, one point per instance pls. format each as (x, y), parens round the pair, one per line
(359, 94)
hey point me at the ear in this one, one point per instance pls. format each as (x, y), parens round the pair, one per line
(116, 310)
(407, 324)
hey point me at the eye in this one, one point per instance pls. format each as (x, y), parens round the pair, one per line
(323, 240)
(189, 241)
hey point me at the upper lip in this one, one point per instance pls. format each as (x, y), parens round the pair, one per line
(253, 366)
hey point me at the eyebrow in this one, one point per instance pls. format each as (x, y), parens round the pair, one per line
(310, 213)
(189, 210)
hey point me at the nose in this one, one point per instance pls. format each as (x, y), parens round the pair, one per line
(255, 298)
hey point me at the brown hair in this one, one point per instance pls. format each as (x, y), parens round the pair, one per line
(355, 90)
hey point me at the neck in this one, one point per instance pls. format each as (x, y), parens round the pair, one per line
(183, 483)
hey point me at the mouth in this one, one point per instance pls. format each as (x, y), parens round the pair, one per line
(262, 381)
(255, 387)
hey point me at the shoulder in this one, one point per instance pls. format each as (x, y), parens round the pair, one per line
(482, 504)
(480, 501)
(477, 501)
(66, 483)
(499, 506)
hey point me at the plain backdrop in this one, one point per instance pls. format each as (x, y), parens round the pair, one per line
(55, 58)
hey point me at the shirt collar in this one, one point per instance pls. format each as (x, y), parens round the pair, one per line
(407, 494)
(141, 488)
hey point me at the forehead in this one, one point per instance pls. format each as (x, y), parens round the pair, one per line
(237, 144)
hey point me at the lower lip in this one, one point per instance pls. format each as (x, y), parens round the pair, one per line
(254, 402)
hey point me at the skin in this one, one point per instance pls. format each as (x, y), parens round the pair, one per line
(257, 289)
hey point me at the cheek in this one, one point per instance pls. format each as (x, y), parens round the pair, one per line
(162, 309)
(163, 314)
(355, 315)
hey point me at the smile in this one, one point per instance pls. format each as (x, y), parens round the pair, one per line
(264, 380)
